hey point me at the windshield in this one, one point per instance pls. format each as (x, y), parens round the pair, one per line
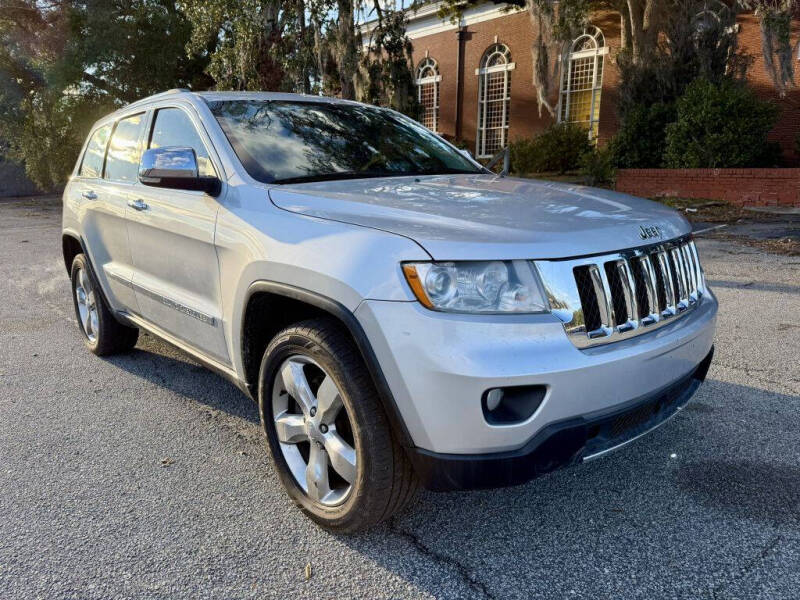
(294, 142)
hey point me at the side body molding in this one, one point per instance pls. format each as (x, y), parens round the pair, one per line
(342, 313)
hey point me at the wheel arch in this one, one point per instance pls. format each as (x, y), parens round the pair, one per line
(71, 246)
(271, 306)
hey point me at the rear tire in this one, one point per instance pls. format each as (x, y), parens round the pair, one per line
(102, 333)
(319, 356)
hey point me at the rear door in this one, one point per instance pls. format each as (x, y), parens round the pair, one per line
(176, 273)
(101, 211)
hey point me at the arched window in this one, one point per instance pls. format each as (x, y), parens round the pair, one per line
(428, 93)
(582, 81)
(494, 94)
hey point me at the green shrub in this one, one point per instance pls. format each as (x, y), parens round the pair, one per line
(642, 137)
(723, 125)
(524, 156)
(559, 149)
(597, 167)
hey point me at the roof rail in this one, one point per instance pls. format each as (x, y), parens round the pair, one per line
(154, 96)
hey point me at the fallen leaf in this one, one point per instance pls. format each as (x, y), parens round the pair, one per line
(308, 571)
(166, 462)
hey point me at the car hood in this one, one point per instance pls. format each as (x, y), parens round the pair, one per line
(474, 217)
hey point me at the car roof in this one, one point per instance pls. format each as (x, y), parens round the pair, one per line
(192, 97)
(212, 96)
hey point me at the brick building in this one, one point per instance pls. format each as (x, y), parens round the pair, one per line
(475, 77)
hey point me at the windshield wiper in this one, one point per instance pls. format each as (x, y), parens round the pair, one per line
(450, 172)
(372, 174)
(335, 176)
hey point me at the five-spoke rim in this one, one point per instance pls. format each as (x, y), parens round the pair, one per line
(314, 430)
(87, 305)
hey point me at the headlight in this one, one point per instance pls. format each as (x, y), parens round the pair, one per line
(477, 287)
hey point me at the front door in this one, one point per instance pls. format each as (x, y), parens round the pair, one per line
(171, 232)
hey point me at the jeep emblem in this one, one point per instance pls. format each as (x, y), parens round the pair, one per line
(652, 231)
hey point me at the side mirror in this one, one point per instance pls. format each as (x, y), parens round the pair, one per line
(176, 168)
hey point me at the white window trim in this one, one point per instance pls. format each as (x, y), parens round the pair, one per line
(598, 54)
(586, 53)
(434, 79)
(431, 79)
(481, 72)
(496, 68)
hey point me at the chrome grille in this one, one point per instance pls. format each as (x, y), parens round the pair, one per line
(602, 299)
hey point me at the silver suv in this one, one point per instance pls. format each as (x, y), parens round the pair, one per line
(402, 316)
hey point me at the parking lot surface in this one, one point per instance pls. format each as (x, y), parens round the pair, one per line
(146, 476)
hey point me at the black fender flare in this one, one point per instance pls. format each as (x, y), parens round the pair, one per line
(80, 241)
(351, 323)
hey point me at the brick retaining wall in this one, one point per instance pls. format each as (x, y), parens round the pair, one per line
(752, 187)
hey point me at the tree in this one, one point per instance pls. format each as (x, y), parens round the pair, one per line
(698, 41)
(65, 63)
(720, 125)
(387, 75)
(345, 43)
(775, 17)
(245, 38)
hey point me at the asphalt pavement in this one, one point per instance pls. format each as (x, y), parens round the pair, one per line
(146, 476)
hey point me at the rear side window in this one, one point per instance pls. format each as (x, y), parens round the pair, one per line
(173, 127)
(92, 165)
(122, 163)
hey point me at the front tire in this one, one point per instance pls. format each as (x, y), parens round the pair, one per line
(327, 432)
(102, 333)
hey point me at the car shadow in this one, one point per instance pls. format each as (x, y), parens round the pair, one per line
(158, 362)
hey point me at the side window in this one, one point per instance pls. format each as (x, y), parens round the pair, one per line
(173, 127)
(122, 162)
(92, 164)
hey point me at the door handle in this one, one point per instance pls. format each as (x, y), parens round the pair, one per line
(137, 205)
(90, 195)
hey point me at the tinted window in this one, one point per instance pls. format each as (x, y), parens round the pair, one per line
(284, 142)
(122, 162)
(173, 127)
(92, 165)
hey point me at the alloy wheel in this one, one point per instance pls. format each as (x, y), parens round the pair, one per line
(87, 305)
(314, 430)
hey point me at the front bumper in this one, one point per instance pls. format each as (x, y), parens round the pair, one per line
(438, 366)
(559, 444)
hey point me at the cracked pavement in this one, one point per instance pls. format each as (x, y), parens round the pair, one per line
(146, 476)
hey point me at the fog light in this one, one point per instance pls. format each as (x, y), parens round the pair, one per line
(511, 405)
(493, 399)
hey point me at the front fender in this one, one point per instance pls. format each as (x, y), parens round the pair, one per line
(256, 241)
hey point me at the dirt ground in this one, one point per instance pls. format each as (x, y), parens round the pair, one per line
(771, 229)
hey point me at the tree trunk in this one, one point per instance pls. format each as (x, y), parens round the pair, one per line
(636, 16)
(642, 32)
(347, 59)
(624, 28)
(305, 79)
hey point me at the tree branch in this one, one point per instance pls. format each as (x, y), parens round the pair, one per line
(107, 87)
